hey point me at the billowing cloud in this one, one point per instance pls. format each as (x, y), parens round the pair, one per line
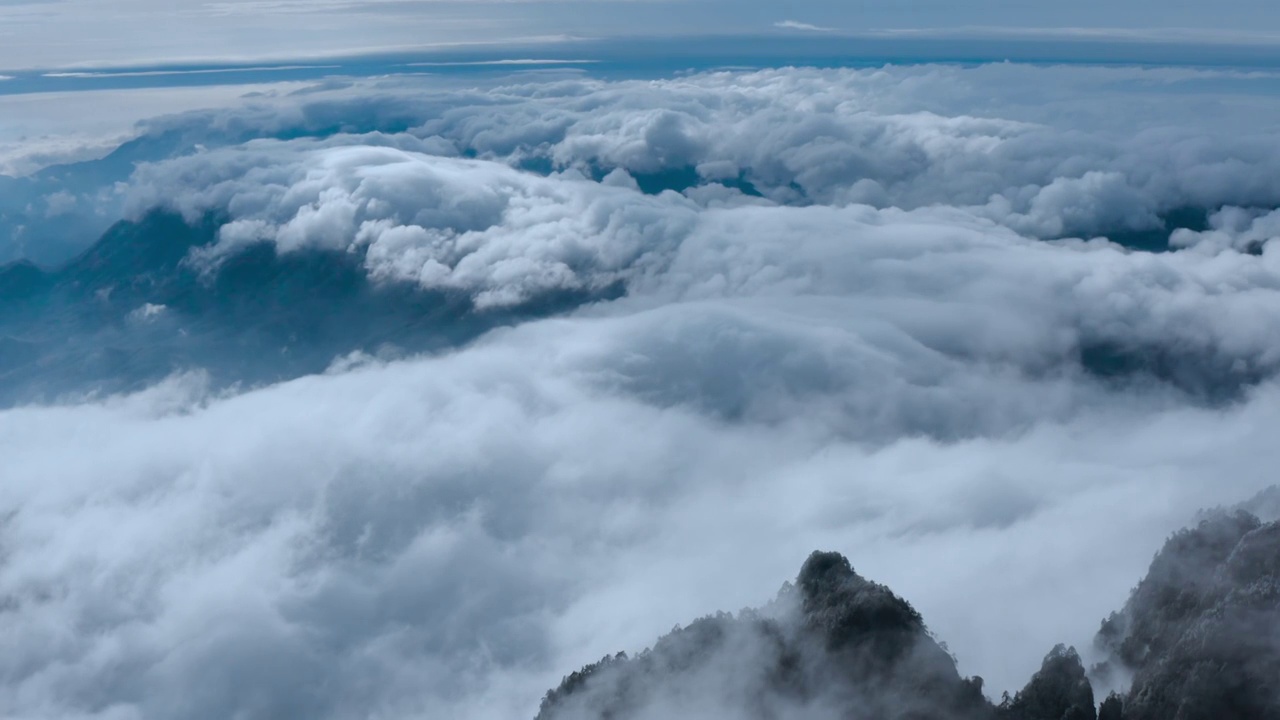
(482, 227)
(1044, 151)
(1239, 228)
(457, 532)
(910, 137)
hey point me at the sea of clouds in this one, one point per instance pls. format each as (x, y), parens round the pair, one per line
(870, 311)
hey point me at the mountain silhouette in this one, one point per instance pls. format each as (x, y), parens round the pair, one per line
(132, 309)
(1200, 636)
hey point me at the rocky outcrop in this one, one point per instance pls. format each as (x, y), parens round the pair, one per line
(1199, 636)
(832, 641)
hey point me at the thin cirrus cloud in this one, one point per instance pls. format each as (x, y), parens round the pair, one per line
(797, 25)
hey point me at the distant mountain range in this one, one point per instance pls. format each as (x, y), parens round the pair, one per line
(130, 311)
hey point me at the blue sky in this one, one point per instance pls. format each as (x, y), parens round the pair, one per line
(56, 33)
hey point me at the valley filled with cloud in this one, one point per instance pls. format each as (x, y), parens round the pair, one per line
(405, 397)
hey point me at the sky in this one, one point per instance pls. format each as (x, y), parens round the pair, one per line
(403, 387)
(58, 33)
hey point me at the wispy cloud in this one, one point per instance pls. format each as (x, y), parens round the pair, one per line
(513, 61)
(200, 71)
(1118, 34)
(797, 25)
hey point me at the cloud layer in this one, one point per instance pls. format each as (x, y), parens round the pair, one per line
(1048, 152)
(847, 309)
